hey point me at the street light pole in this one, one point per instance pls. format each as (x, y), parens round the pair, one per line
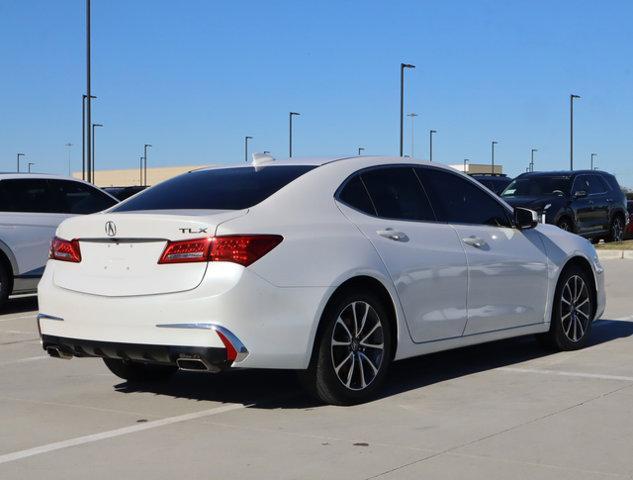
(402, 67)
(140, 170)
(69, 145)
(466, 161)
(92, 166)
(493, 156)
(145, 163)
(571, 130)
(431, 132)
(83, 135)
(360, 149)
(246, 139)
(593, 155)
(18, 156)
(88, 94)
(290, 115)
(29, 166)
(532, 159)
(412, 115)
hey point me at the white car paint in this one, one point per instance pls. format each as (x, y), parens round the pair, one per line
(445, 293)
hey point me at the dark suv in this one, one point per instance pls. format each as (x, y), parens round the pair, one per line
(587, 202)
(496, 182)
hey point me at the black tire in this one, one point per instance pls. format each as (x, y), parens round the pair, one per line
(139, 372)
(571, 323)
(5, 285)
(322, 376)
(616, 229)
(566, 224)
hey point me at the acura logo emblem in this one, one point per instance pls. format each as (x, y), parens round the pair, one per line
(110, 229)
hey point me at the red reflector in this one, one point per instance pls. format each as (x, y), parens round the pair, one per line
(242, 249)
(231, 353)
(65, 250)
(196, 250)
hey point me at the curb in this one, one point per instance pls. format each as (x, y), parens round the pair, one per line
(615, 254)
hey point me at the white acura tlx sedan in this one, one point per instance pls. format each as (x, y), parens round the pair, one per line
(335, 267)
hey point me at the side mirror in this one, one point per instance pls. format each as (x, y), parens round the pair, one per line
(580, 194)
(524, 218)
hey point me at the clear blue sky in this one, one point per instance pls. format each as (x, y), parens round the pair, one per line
(193, 77)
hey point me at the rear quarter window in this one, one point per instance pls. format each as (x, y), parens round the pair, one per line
(233, 188)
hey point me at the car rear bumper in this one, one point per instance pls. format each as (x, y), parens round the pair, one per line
(213, 358)
(276, 325)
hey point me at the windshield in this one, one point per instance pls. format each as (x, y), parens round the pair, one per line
(535, 186)
(216, 189)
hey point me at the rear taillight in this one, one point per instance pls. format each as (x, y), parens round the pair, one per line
(242, 249)
(185, 251)
(65, 250)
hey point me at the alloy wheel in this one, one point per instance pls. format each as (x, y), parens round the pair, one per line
(617, 232)
(564, 225)
(575, 308)
(357, 345)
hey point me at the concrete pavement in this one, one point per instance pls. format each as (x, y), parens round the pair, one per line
(495, 411)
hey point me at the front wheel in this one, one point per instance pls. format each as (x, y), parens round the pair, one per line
(565, 224)
(572, 312)
(354, 350)
(139, 372)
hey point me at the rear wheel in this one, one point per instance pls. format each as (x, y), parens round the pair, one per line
(5, 285)
(616, 231)
(354, 350)
(572, 313)
(138, 371)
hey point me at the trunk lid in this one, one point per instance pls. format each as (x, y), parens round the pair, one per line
(120, 251)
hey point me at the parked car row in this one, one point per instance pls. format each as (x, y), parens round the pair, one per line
(333, 267)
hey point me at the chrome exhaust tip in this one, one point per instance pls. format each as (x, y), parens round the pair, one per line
(56, 352)
(194, 364)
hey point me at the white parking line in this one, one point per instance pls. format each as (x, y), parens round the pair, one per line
(566, 374)
(73, 442)
(24, 360)
(21, 317)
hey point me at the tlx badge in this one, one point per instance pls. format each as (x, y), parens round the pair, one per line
(193, 230)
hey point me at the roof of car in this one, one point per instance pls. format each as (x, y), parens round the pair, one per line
(559, 173)
(318, 161)
(13, 175)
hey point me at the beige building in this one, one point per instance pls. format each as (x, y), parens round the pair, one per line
(478, 168)
(131, 176)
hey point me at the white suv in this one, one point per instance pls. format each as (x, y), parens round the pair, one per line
(31, 208)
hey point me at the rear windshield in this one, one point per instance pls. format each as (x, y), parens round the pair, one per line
(534, 186)
(218, 189)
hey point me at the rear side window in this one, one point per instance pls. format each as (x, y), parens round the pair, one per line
(597, 185)
(458, 200)
(611, 180)
(78, 198)
(397, 193)
(25, 195)
(355, 195)
(217, 189)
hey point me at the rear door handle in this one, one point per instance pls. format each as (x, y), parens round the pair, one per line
(474, 242)
(392, 234)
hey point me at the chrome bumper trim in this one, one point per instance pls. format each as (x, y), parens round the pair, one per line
(240, 348)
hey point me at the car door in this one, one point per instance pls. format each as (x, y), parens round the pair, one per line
(29, 218)
(424, 258)
(598, 194)
(507, 267)
(582, 205)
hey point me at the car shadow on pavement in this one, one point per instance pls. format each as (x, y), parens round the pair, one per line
(20, 305)
(274, 389)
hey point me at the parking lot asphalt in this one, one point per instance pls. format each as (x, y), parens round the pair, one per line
(496, 411)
